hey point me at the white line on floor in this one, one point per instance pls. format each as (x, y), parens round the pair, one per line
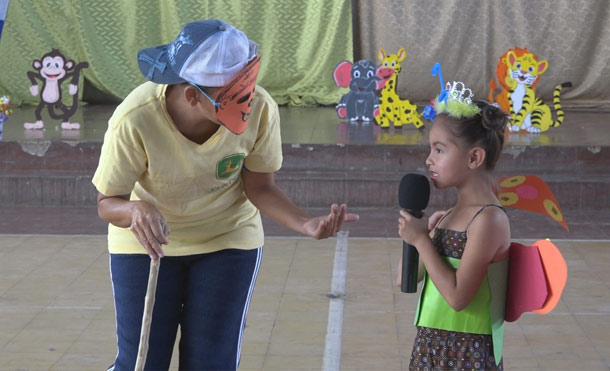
(75, 308)
(334, 329)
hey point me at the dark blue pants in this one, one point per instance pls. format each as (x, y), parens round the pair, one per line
(207, 295)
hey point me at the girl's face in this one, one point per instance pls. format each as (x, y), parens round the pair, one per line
(448, 159)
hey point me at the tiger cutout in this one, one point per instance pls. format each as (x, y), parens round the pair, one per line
(518, 72)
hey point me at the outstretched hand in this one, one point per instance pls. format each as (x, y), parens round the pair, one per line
(326, 226)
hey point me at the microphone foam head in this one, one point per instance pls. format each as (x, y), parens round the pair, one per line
(414, 192)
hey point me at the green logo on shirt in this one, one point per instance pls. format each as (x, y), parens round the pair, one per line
(229, 166)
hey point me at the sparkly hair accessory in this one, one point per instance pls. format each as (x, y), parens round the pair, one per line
(457, 91)
(456, 101)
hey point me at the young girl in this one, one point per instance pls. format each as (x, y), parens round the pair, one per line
(460, 313)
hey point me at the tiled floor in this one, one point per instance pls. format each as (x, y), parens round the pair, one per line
(56, 308)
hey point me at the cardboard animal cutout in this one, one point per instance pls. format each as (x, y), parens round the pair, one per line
(518, 71)
(391, 107)
(53, 69)
(361, 102)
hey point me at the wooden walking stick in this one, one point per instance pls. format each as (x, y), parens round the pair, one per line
(149, 303)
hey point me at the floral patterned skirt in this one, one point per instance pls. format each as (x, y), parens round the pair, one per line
(435, 349)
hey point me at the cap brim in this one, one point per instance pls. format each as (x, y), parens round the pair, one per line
(155, 66)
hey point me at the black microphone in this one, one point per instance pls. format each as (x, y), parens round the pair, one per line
(413, 196)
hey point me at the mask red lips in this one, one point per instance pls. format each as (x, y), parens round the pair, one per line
(235, 98)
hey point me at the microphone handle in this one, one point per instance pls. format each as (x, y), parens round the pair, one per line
(410, 262)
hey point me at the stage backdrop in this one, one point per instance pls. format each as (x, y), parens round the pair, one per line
(468, 37)
(300, 41)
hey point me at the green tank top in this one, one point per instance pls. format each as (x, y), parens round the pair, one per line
(483, 315)
(485, 312)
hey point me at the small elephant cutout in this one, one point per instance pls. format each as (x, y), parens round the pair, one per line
(361, 103)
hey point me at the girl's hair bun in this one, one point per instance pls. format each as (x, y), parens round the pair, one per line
(492, 116)
(485, 129)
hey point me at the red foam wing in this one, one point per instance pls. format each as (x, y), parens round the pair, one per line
(529, 192)
(555, 272)
(526, 287)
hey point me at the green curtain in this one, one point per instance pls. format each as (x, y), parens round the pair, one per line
(300, 42)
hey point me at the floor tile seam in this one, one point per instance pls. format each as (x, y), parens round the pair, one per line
(374, 312)
(23, 278)
(23, 328)
(47, 305)
(571, 311)
(275, 319)
(75, 278)
(92, 263)
(592, 314)
(12, 248)
(529, 346)
(394, 303)
(76, 341)
(293, 237)
(85, 328)
(606, 283)
(593, 344)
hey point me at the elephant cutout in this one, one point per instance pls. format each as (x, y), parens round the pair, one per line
(361, 103)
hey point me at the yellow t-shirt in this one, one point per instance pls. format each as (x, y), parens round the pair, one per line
(197, 188)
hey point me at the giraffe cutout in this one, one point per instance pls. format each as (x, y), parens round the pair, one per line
(391, 106)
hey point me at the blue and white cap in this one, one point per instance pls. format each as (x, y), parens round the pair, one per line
(3, 9)
(206, 53)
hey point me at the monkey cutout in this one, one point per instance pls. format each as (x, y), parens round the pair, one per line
(53, 69)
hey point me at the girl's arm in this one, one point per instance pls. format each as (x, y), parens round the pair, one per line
(273, 202)
(142, 218)
(488, 234)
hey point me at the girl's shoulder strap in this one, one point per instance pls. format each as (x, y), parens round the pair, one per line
(480, 210)
(443, 217)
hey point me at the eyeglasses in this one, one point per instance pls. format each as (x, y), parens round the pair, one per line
(216, 104)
